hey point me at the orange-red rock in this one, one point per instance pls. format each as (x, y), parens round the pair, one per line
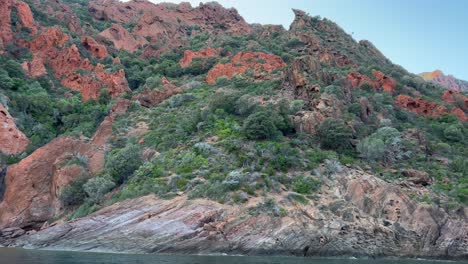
(12, 140)
(34, 184)
(66, 62)
(34, 68)
(96, 49)
(460, 114)
(420, 106)
(381, 81)
(25, 18)
(190, 55)
(455, 97)
(242, 61)
(122, 39)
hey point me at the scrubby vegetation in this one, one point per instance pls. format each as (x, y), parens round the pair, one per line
(236, 139)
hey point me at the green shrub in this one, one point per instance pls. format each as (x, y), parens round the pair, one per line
(454, 133)
(305, 185)
(335, 135)
(385, 145)
(74, 193)
(121, 163)
(260, 125)
(97, 187)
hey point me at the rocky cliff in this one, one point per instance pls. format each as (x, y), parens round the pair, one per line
(177, 129)
(365, 216)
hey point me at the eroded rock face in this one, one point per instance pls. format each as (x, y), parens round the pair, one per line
(455, 98)
(202, 54)
(122, 39)
(24, 15)
(12, 140)
(96, 49)
(150, 98)
(381, 81)
(356, 214)
(34, 184)
(49, 47)
(327, 106)
(258, 61)
(420, 106)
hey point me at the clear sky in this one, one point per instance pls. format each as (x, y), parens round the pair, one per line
(420, 35)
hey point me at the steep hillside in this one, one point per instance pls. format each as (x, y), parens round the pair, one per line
(186, 129)
(447, 81)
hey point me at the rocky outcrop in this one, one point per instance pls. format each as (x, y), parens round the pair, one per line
(202, 54)
(122, 39)
(62, 12)
(24, 15)
(34, 184)
(447, 81)
(304, 69)
(326, 106)
(355, 214)
(420, 106)
(34, 68)
(381, 81)
(67, 63)
(150, 98)
(168, 25)
(258, 61)
(12, 140)
(97, 50)
(455, 98)
(158, 20)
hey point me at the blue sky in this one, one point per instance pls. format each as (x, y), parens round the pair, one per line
(420, 35)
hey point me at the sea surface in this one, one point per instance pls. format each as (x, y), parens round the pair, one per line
(22, 256)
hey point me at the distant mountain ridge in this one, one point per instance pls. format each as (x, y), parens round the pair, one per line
(448, 81)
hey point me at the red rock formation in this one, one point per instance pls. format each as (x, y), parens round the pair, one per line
(25, 17)
(381, 81)
(190, 55)
(34, 68)
(447, 81)
(33, 184)
(122, 39)
(66, 62)
(150, 98)
(456, 98)
(460, 114)
(12, 140)
(242, 61)
(420, 106)
(96, 49)
(168, 25)
(62, 12)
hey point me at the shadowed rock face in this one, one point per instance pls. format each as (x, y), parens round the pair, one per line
(12, 140)
(365, 216)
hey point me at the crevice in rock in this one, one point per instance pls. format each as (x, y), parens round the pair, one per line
(2, 183)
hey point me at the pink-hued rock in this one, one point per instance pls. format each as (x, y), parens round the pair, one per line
(12, 140)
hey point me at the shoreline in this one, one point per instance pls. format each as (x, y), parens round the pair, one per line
(270, 255)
